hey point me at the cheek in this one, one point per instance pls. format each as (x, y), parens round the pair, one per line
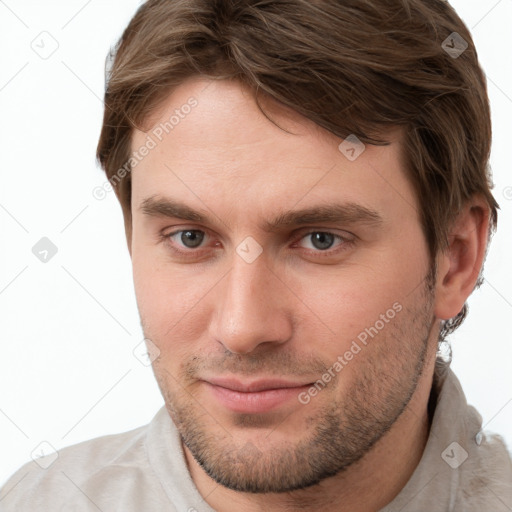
(170, 301)
(345, 310)
(370, 296)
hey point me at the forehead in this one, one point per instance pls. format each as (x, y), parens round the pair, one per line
(209, 142)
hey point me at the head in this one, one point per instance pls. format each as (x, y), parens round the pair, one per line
(262, 251)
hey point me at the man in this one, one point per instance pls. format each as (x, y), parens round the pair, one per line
(307, 208)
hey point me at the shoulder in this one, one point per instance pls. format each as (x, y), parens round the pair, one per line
(76, 474)
(486, 478)
(480, 461)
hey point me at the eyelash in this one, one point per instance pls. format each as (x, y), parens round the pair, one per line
(345, 244)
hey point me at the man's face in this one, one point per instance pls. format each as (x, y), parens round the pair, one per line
(288, 345)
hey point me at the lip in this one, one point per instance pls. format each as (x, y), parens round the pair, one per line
(257, 396)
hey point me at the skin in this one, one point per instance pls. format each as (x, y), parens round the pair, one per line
(293, 310)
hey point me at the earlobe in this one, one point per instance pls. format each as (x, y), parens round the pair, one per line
(460, 263)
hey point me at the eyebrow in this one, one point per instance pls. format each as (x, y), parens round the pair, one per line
(346, 213)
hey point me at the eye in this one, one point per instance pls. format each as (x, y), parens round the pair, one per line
(323, 241)
(190, 238)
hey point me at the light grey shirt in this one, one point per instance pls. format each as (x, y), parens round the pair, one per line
(462, 469)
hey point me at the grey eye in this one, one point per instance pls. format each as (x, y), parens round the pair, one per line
(191, 238)
(322, 240)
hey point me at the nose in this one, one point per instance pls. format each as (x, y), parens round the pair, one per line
(252, 308)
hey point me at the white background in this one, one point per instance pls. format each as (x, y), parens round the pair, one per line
(69, 326)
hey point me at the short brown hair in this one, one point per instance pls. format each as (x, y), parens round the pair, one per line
(351, 66)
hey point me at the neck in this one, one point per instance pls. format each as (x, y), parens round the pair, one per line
(366, 486)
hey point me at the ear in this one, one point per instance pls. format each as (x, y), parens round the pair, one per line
(458, 266)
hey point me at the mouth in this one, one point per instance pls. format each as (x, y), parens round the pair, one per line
(254, 397)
